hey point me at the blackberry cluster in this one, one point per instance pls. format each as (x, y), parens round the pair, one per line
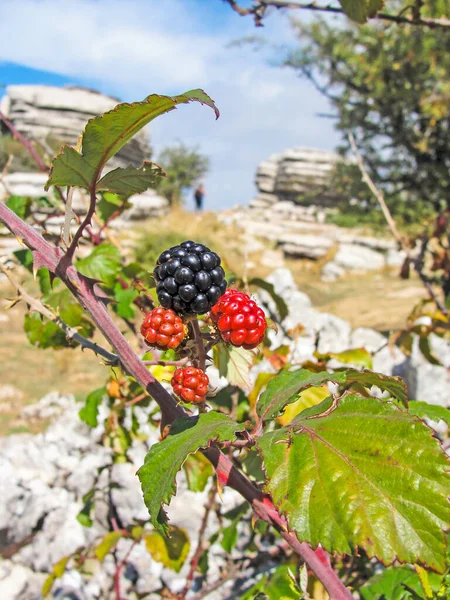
(189, 278)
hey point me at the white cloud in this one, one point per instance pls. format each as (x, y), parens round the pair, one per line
(135, 47)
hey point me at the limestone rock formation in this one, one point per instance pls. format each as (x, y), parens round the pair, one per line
(296, 173)
(45, 113)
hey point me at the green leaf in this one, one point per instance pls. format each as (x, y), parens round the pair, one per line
(107, 544)
(374, 6)
(270, 289)
(44, 334)
(69, 167)
(165, 459)
(103, 263)
(356, 10)
(233, 364)
(43, 276)
(108, 204)
(128, 181)
(20, 205)
(425, 348)
(429, 411)
(25, 257)
(198, 470)
(58, 571)
(285, 388)
(356, 356)
(124, 301)
(64, 304)
(170, 551)
(280, 586)
(89, 413)
(387, 383)
(104, 136)
(362, 474)
(391, 584)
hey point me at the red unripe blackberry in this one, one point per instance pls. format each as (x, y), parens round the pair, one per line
(163, 328)
(239, 319)
(190, 384)
(189, 278)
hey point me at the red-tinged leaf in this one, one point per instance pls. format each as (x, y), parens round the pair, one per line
(361, 472)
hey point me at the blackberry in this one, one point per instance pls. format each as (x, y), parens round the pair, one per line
(189, 278)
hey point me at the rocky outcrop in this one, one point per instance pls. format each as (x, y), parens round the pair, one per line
(338, 250)
(44, 113)
(295, 174)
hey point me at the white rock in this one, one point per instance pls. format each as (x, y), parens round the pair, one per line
(304, 246)
(353, 257)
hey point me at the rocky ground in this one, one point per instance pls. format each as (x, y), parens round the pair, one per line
(45, 476)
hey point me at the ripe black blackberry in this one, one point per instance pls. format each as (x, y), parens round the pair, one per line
(189, 278)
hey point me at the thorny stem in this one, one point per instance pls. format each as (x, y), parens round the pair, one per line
(71, 333)
(25, 143)
(84, 290)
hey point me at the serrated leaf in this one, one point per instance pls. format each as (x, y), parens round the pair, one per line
(21, 205)
(170, 551)
(198, 470)
(69, 167)
(105, 135)
(89, 413)
(270, 289)
(107, 544)
(165, 459)
(130, 180)
(396, 386)
(429, 411)
(285, 387)
(234, 364)
(103, 263)
(362, 474)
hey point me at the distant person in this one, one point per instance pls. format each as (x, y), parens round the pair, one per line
(198, 196)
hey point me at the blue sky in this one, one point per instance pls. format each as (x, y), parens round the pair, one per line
(131, 48)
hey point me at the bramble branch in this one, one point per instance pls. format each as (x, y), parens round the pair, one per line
(71, 333)
(258, 11)
(83, 288)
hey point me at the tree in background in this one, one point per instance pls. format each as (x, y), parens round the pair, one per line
(389, 87)
(184, 166)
